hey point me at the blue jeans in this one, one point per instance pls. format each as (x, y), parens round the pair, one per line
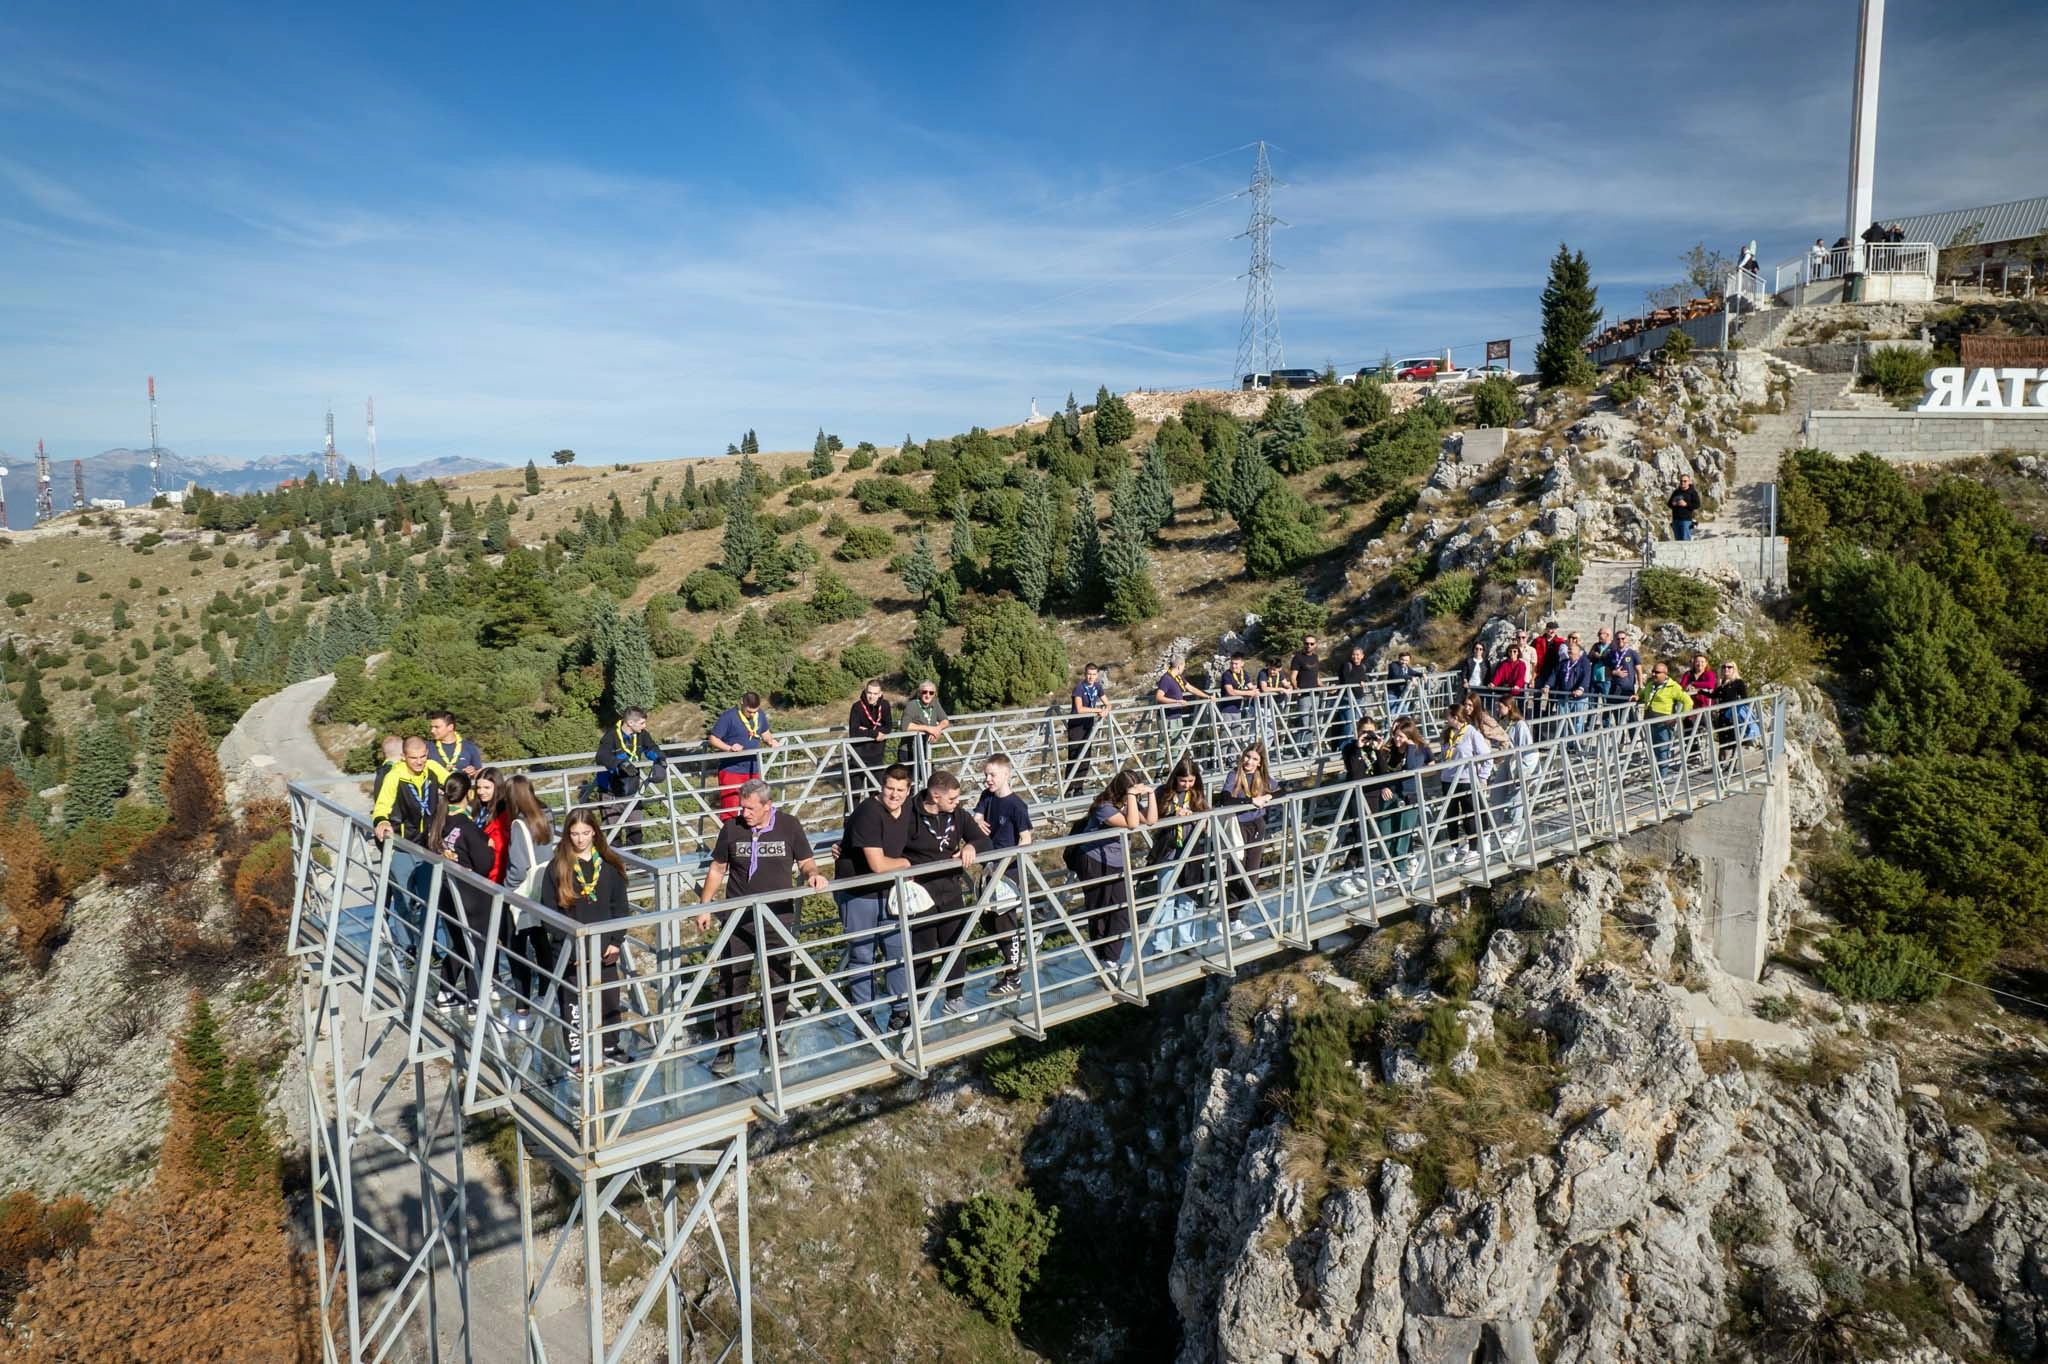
(1571, 712)
(1662, 732)
(1681, 530)
(863, 916)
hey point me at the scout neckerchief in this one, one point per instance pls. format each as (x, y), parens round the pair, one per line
(1091, 694)
(1237, 677)
(752, 727)
(1179, 802)
(447, 759)
(754, 848)
(952, 827)
(586, 890)
(924, 710)
(873, 715)
(628, 745)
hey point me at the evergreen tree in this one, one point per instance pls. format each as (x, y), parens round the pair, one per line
(742, 540)
(1114, 421)
(631, 671)
(750, 444)
(746, 487)
(1248, 478)
(35, 712)
(961, 549)
(1289, 441)
(192, 785)
(1279, 534)
(532, 479)
(692, 499)
(1084, 557)
(1033, 565)
(1154, 491)
(922, 569)
(719, 673)
(821, 457)
(1071, 418)
(99, 773)
(1570, 312)
(1126, 566)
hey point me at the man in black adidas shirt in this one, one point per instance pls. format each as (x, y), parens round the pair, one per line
(942, 835)
(762, 851)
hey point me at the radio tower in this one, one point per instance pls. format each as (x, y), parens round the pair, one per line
(78, 485)
(155, 456)
(1258, 341)
(370, 411)
(333, 474)
(45, 507)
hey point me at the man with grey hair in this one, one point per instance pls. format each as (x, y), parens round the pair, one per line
(761, 853)
(924, 720)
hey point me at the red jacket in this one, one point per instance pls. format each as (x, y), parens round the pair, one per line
(1699, 686)
(1512, 674)
(499, 831)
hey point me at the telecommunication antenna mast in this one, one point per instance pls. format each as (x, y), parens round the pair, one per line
(370, 410)
(155, 456)
(45, 507)
(78, 485)
(333, 474)
(1258, 340)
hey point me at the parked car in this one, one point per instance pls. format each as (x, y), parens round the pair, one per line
(1371, 374)
(1493, 372)
(1297, 378)
(1256, 382)
(1417, 369)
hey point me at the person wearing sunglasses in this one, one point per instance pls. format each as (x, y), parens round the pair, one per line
(924, 719)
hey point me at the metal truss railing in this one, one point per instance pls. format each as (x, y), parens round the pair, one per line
(793, 999)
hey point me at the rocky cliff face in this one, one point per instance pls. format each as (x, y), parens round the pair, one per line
(1784, 1197)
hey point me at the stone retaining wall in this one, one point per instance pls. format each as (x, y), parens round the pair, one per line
(1926, 435)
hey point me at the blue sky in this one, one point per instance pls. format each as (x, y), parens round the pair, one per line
(640, 230)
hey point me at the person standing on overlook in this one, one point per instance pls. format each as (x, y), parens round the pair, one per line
(450, 749)
(1685, 507)
(742, 729)
(924, 720)
(868, 723)
(1088, 703)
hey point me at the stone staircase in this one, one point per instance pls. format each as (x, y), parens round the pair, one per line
(1743, 512)
(1602, 596)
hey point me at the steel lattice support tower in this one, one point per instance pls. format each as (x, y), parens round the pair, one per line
(155, 456)
(370, 413)
(46, 506)
(78, 485)
(1258, 338)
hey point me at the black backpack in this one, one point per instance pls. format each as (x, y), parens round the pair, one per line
(1075, 853)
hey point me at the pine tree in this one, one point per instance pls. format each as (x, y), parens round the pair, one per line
(1126, 566)
(692, 499)
(719, 673)
(631, 672)
(99, 773)
(35, 712)
(192, 785)
(961, 548)
(821, 457)
(532, 479)
(1570, 312)
(922, 568)
(742, 540)
(1248, 478)
(498, 530)
(750, 444)
(1155, 491)
(1084, 557)
(1071, 418)
(1033, 566)
(746, 486)
(1114, 421)
(1288, 439)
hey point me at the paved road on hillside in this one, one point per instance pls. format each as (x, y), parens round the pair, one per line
(273, 741)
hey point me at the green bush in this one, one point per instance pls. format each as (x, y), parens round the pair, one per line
(1286, 614)
(884, 492)
(1628, 388)
(835, 526)
(1666, 594)
(1280, 532)
(18, 599)
(864, 542)
(1395, 451)
(1030, 1072)
(1495, 402)
(1443, 1036)
(1676, 348)
(1896, 371)
(1566, 565)
(1008, 657)
(834, 601)
(1452, 594)
(709, 590)
(864, 660)
(672, 679)
(993, 1255)
(1884, 968)
(814, 683)
(1324, 1093)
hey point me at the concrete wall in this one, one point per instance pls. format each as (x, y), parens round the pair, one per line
(1744, 845)
(1757, 559)
(1926, 435)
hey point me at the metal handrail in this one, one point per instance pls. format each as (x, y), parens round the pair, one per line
(1344, 852)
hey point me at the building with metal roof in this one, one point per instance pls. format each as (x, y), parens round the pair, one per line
(2016, 221)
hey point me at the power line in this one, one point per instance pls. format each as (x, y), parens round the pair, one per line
(1259, 349)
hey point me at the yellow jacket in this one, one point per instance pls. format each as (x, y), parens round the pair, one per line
(1665, 698)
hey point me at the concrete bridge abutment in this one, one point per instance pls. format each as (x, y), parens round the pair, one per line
(1743, 844)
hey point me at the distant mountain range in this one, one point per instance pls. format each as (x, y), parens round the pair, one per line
(125, 474)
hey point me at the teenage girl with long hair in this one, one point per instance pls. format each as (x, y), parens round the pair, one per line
(466, 905)
(1250, 787)
(586, 881)
(527, 830)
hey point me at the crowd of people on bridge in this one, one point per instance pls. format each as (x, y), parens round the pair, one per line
(903, 866)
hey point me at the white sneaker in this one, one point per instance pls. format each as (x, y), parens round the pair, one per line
(1245, 933)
